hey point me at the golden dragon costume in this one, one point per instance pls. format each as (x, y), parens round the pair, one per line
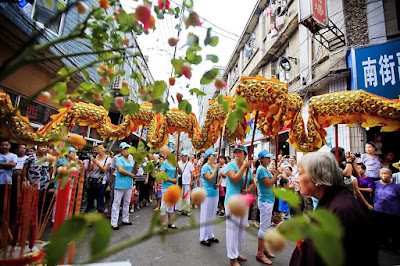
(276, 108)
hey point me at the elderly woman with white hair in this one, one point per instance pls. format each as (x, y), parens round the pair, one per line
(321, 177)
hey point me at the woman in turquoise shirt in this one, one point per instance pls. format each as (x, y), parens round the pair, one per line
(123, 187)
(208, 209)
(170, 170)
(266, 200)
(236, 172)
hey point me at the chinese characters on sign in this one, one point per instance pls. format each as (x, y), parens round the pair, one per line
(320, 12)
(376, 69)
(31, 111)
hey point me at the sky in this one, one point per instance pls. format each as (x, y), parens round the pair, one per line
(229, 17)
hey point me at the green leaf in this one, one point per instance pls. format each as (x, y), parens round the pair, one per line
(177, 11)
(108, 98)
(60, 88)
(178, 27)
(232, 122)
(184, 105)
(85, 73)
(220, 99)
(197, 92)
(149, 168)
(125, 91)
(188, 3)
(101, 236)
(138, 77)
(239, 114)
(139, 156)
(86, 86)
(192, 39)
(210, 40)
(214, 41)
(171, 159)
(241, 103)
(225, 105)
(73, 229)
(327, 221)
(160, 107)
(142, 146)
(162, 176)
(287, 195)
(209, 76)
(60, 5)
(212, 57)
(65, 71)
(329, 248)
(132, 150)
(130, 108)
(49, 3)
(192, 57)
(296, 228)
(159, 89)
(177, 63)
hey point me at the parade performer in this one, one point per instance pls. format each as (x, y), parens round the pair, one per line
(166, 167)
(236, 226)
(123, 187)
(208, 209)
(265, 180)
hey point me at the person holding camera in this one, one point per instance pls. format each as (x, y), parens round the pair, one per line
(350, 174)
(97, 169)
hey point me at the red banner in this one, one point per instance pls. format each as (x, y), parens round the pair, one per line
(320, 11)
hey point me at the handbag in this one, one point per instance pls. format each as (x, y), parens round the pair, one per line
(180, 181)
(95, 183)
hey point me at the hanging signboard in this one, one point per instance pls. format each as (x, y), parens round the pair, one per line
(376, 69)
(320, 12)
(313, 14)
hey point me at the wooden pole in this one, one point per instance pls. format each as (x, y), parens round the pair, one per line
(177, 156)
(276, 151)
(337, 143)
(77, 210)
(251, 148)
(219, 151)
(140, 139)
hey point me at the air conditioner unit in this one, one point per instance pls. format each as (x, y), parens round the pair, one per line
(117, 83)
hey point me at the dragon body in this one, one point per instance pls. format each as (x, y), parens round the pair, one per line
(276, 108)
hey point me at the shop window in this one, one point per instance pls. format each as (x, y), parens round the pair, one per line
(36, 112)
(94, 134)
(43, 13)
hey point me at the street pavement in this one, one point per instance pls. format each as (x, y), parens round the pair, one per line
(182, 248)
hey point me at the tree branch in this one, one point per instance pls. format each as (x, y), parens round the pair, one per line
(33, 60)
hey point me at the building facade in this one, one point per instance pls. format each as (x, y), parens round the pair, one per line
(278, 42)
(18, 21)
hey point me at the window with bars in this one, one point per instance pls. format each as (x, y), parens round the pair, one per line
(43, 12)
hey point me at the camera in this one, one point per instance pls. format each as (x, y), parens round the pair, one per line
(356, 154)
(86, 155)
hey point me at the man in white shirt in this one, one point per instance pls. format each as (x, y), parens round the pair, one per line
(200, 162)
(113, 173)
(183, 206)
(8, 161)
(21, 149)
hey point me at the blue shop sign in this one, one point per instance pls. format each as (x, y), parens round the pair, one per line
(376, 69)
